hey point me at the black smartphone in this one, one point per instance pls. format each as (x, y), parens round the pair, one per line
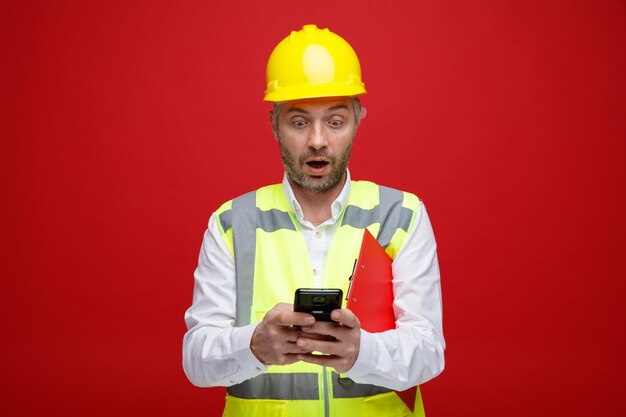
(319, 302)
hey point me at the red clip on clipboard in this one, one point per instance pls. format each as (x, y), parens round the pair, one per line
(370, 295)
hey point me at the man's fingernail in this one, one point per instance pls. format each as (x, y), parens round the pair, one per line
(309, 321)
(300, 343)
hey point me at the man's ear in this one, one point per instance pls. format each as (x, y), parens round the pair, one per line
(274, 132)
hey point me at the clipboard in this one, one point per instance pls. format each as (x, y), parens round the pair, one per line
(370, 295)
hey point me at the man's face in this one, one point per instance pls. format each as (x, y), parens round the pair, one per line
(315, 138)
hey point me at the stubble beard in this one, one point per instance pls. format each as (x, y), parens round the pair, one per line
(297, 175)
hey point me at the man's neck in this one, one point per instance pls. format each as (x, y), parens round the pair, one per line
(317, 207)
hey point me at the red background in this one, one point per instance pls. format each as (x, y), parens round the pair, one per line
(124, 124)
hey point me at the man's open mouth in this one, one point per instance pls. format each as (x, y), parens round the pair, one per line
(317, 164)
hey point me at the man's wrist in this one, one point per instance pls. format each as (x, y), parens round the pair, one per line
(242, 338)
(365, 358)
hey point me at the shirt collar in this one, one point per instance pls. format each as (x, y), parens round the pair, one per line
(336, 208)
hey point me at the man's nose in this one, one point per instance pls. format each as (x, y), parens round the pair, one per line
(317, 136)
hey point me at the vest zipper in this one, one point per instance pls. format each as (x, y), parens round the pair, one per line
(326, 394)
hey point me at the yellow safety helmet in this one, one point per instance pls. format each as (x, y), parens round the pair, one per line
(313, 63)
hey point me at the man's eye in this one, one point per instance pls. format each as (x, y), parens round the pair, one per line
(336, 123)
(298, 123)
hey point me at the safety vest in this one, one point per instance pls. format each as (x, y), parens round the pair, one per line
(272, 261)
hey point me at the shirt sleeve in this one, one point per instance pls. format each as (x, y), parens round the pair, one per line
(215, 353)
(412, 353)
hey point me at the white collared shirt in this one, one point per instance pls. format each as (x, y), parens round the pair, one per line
(318, 238)
(215, 353)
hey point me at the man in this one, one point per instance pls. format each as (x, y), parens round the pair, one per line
(304, 233)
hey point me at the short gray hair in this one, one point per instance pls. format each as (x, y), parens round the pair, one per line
(356, 104)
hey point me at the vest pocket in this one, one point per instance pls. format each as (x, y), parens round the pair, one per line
(240, 407)
(384, 405)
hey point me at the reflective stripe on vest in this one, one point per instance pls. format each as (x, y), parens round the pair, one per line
(299, 386)
(244, 227)
(389, 213)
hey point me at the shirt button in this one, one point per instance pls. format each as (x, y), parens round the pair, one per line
(314, 271)
(318, 234)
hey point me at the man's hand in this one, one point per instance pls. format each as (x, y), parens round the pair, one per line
(274, 339)
(341, 344)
